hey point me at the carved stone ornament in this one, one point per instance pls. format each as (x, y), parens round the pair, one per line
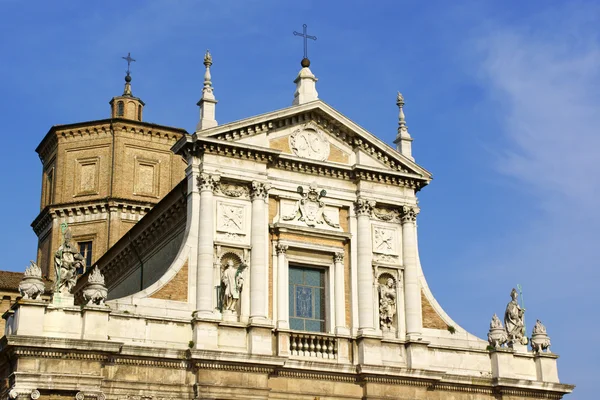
(67, 261)
(338, 257)
(386, 215)
(230, 218)
(234, 190)
(31, 286)
(514, 320)
(95, 292)
(540, 341)
(384, 240)
(232, 281)
(259, 190)
(208, 182)
(310, 209)
(90, 395)
(309, 142)
(409, 213)
(387, 302)
(364, 207)
(33, 394)
(497, 335)
(281, 248)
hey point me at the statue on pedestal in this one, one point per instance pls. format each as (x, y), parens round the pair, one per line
(514, 320)
(387, 304)
(232, 282)
(67, 260)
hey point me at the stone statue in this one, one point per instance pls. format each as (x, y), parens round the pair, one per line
(540, 341)
(497, 335)
(67, 260)
(387, 304)
(514, 321)
(95, 291)
(32, 286)
(232, 281)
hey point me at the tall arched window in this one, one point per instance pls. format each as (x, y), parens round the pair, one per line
(120, 109)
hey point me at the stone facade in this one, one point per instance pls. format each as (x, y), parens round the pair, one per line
(284, 266)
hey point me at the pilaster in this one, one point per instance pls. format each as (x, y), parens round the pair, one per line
(258, 256)
(412, 291)
(363, 209)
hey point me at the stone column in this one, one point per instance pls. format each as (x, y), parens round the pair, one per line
(412, 291)
(340, 295)
(364, 246)
(204, 272)
(258, 256)
(282, 288)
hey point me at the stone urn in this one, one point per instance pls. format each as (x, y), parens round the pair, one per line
(95, 291)
(32, 285)
(497, 334)
(540, 341)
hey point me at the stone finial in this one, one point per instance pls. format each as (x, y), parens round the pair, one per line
(540, 341)
(207, 102)
(306, 87)
(95, 291)
(496, 335)
(32, 286)
(403, 140)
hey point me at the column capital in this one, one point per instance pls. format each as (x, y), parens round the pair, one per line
(409, 213)
(363, 206)
(281, 248)
(208, 182)
(259, 190)
(338, 257)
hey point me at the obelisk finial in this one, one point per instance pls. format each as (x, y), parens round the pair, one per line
(403, 140)
(207, 101)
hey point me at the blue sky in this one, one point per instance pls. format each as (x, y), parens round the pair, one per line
(502, 100)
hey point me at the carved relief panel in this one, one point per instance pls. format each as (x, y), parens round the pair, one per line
(233, 221)
(309, 141)
(311, 210)
(385, 239)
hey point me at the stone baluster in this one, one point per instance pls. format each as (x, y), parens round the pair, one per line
(258, 255)
(282, 288)
(204, 273)
(363, 210)
(412, 291)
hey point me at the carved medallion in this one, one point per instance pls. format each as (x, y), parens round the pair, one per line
(310, 209)
(309, 142)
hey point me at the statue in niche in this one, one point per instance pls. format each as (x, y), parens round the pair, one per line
(232, 282)
(387, 304)
(67, 260)
(514, 320)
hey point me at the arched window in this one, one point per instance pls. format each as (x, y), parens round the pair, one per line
(139, 113)
(120, 109)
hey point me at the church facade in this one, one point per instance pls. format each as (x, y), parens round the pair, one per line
(284, 265)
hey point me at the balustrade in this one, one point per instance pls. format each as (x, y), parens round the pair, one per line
(313, 345)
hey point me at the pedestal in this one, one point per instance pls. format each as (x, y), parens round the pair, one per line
(230, 316)
(95, 322)
(369, 350)
(501, 363)
(61, 300)
(29, 318)
(260, 339)
(205, 335)
(417, 355)
(545, 366)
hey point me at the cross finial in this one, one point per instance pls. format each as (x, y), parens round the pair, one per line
(129, 61)
(305, 36)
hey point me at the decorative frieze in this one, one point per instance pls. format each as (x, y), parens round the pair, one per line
(386, 215)
(234, 190)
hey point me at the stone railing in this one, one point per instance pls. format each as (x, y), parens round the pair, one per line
(313, 345)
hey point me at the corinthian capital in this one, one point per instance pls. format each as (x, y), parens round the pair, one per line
(259, 190)
(208, 181)
(409, 213)
(364, 207)
(281, 248)
(338, 257)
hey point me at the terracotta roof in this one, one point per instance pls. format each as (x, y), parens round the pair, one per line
(10, 280)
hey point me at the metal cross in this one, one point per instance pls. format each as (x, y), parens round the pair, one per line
(305, 36)
(129, 60)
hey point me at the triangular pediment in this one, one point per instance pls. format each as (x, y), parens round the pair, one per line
(315, 131)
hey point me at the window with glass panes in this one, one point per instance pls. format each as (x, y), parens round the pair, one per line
(307, 299)
(85, 248)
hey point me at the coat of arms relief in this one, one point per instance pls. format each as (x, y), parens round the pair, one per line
(309, 141)
(311, 209)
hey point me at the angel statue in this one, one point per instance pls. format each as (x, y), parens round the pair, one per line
(387, 304)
